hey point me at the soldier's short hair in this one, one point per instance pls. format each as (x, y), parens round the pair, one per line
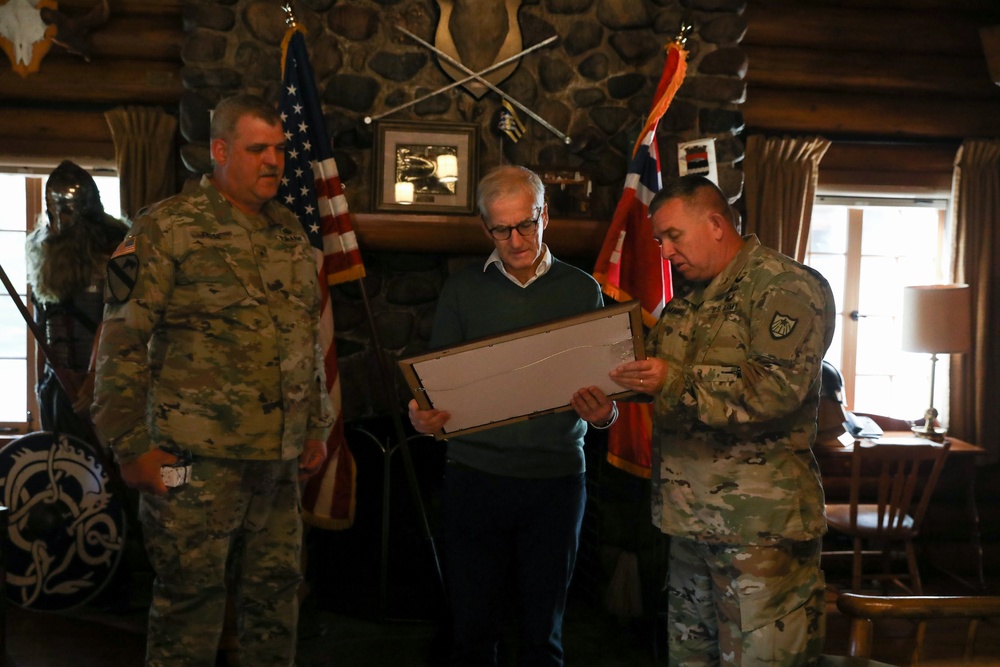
(694, 188)
(507, 180)
(229, 111)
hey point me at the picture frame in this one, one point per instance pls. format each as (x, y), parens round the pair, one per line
(433, 162)
(535, 370)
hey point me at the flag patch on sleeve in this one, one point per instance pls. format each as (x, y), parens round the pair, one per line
(123, 270)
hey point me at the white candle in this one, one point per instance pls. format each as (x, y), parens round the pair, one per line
(447, 168)
(404, 192)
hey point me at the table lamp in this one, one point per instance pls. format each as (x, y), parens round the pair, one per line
(936, 319)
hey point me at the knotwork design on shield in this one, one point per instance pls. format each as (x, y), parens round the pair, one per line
(478, 34)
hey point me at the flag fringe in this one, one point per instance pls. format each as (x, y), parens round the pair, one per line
(284, 43)
(629, 467)
(670, 82)
(356, 272)
(621, 296)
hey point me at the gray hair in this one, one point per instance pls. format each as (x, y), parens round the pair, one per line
(229, 111)
(507, 180)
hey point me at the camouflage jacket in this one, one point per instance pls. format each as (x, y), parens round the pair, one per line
(736, 418)
(215, 349)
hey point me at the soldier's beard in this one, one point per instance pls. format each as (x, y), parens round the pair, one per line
(61, 266)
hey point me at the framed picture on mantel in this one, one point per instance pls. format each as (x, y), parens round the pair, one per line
(425, 167)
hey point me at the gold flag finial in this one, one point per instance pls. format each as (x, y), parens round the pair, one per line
(289, 15)
(685, 29)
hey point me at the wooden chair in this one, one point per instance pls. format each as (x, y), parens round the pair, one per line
(864, 610)
(891, 486)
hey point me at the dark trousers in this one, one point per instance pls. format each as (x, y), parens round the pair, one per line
(498, 525)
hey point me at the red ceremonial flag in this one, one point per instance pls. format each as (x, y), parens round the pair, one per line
(311, 188)
(629, 265)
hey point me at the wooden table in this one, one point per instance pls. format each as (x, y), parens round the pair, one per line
(835, 467)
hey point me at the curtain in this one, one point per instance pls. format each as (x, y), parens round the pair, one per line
(145, 155)
(975, 194)
(781, 177)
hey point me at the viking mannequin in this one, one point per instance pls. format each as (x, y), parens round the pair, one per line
(67, 255)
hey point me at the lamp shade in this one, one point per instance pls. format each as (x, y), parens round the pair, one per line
(937, 319)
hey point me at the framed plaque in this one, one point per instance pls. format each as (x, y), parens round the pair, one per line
(425, 166)
(528, 372)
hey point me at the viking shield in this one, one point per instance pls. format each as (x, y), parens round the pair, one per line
(478, 34)
(66, 529)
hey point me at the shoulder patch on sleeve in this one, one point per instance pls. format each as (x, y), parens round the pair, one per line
(122, 272)
(784, 326)
(126, 247)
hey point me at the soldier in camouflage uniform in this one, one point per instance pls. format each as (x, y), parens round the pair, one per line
(734, 371)
(210, 351)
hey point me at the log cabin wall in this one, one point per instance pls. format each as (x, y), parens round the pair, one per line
(896, 85)
(58, 112)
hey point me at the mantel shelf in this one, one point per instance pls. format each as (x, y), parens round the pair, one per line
(463, 234)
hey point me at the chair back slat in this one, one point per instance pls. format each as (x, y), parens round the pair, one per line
(892, 484)
(907, 475)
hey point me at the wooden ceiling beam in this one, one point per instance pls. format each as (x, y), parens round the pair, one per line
(859, 72)
(21, 130)
(72, 80)
(876, 116)
(140, 37)
(880, 30)
(151, 7)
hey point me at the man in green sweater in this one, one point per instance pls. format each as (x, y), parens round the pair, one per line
(515, 494)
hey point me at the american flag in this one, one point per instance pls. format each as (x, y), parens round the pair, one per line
(311, 188)
(629, 265)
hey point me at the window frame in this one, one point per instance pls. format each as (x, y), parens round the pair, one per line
(34, 207)
(35, 175)
(848, 313)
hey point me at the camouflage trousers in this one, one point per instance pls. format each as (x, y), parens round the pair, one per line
(742, 606)
(237, 512)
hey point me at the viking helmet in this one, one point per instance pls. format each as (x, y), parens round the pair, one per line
(71, 196)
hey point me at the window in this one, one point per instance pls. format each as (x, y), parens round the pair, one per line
(23, 197)
(869, 249)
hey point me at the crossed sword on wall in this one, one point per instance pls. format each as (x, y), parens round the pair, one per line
(475, 76)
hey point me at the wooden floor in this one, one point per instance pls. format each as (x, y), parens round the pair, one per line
(94, 638)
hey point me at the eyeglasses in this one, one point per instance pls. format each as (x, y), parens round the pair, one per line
(526, 228)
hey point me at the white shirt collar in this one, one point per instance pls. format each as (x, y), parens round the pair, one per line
(542, 268)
